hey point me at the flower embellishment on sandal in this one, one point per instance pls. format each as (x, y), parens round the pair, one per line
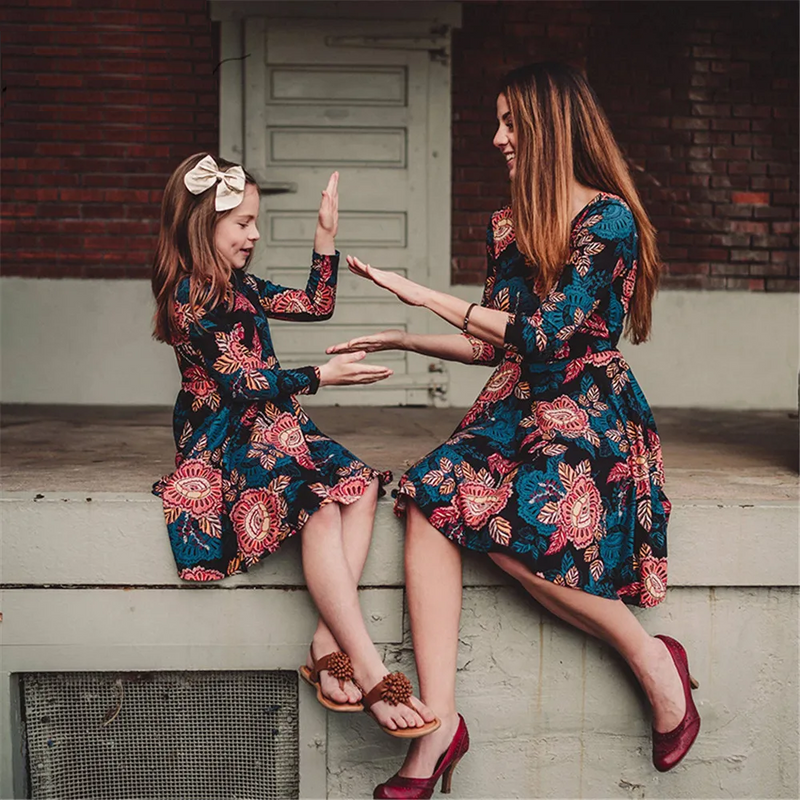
(396, 689)
(340, 666)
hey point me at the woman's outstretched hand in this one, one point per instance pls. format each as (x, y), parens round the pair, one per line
(385, 340)
(328, 219)
(347, 368)
(409, 292)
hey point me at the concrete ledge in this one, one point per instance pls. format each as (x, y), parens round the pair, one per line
(120, 539)
(698, 354)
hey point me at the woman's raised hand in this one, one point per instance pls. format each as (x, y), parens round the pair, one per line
(409, 292)
(385, 340)
(347, 368)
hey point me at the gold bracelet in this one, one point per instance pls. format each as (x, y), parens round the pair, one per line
(466, 317)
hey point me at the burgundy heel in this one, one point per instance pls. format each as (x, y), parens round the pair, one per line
(399, 787)
(447, 777)
(670, 748)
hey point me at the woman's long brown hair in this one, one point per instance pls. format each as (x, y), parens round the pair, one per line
(186, 247)
(561, 132)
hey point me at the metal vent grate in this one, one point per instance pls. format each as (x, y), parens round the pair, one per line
(162, 735)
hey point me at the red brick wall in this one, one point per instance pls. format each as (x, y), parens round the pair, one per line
(703, 100)
(100, 103)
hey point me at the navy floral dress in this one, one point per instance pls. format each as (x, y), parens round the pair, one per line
(558, 462)
(251, 467)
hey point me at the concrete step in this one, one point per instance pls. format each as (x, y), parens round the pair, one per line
(87, 582)
(70, 538)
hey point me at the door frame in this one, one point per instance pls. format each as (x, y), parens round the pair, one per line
(242, 29)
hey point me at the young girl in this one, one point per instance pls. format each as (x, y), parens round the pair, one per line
(252, 469)
(556, 471)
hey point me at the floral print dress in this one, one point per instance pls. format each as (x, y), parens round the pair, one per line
(251, 467)
(558, 462)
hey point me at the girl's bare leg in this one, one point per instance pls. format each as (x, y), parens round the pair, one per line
(335, 593)
(357, 522)
(613, 622)
(433, 589)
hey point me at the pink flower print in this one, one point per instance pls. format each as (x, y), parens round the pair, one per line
(502, 230)
(653, 578)
(256, 519)
(478, 500)
(194, 487)
(291, 301)
(562, 416)
(200, 574)
(287, 436)
(578, 514)
(241, 303)
(350, 489)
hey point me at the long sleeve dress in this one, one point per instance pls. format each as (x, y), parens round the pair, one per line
(251, 467)
(558, 462)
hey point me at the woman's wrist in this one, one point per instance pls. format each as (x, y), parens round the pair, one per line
(429, 298)
(450, 309)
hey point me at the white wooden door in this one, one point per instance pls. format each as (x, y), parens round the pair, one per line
(324, 95)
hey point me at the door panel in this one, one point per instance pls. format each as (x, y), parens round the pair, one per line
(324, 95)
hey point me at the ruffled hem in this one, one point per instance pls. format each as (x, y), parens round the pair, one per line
(344, 492)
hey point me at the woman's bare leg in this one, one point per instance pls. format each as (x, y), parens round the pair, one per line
(335, 593)
(357, 523)
(613, 622)
(433, 589)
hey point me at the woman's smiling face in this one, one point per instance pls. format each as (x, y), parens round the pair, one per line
(505, 138)
(236, 233)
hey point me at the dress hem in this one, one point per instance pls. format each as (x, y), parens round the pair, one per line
(201, 574)
(401, 506)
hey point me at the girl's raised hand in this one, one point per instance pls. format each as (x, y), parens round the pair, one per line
(385, 340)
(347, 369)
(329, 206)
(409, 292)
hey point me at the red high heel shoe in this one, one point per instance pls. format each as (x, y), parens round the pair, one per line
(400, 788)
(669, 748)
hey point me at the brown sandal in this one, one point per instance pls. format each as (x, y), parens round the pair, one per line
(395, 689)
(340, 666)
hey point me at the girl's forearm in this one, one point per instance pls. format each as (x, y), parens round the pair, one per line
(484, 323)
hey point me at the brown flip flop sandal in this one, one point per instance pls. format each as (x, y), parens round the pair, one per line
(395, 689)
(340, 666)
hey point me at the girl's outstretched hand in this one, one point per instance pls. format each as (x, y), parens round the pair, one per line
(328, 219)
(329, 206)
(348, 368)
(409, 292)
(385, 340)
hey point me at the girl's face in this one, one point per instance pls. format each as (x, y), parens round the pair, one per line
(236, 233)
(505, 139)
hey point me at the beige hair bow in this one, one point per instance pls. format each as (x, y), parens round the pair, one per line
(230, 184)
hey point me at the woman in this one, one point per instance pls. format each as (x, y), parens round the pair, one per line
(556, 470)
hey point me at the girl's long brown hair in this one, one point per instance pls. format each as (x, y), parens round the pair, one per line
(186, 247)
(561, 132)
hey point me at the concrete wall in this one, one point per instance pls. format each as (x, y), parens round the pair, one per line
(89, 585)
(88, 342)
